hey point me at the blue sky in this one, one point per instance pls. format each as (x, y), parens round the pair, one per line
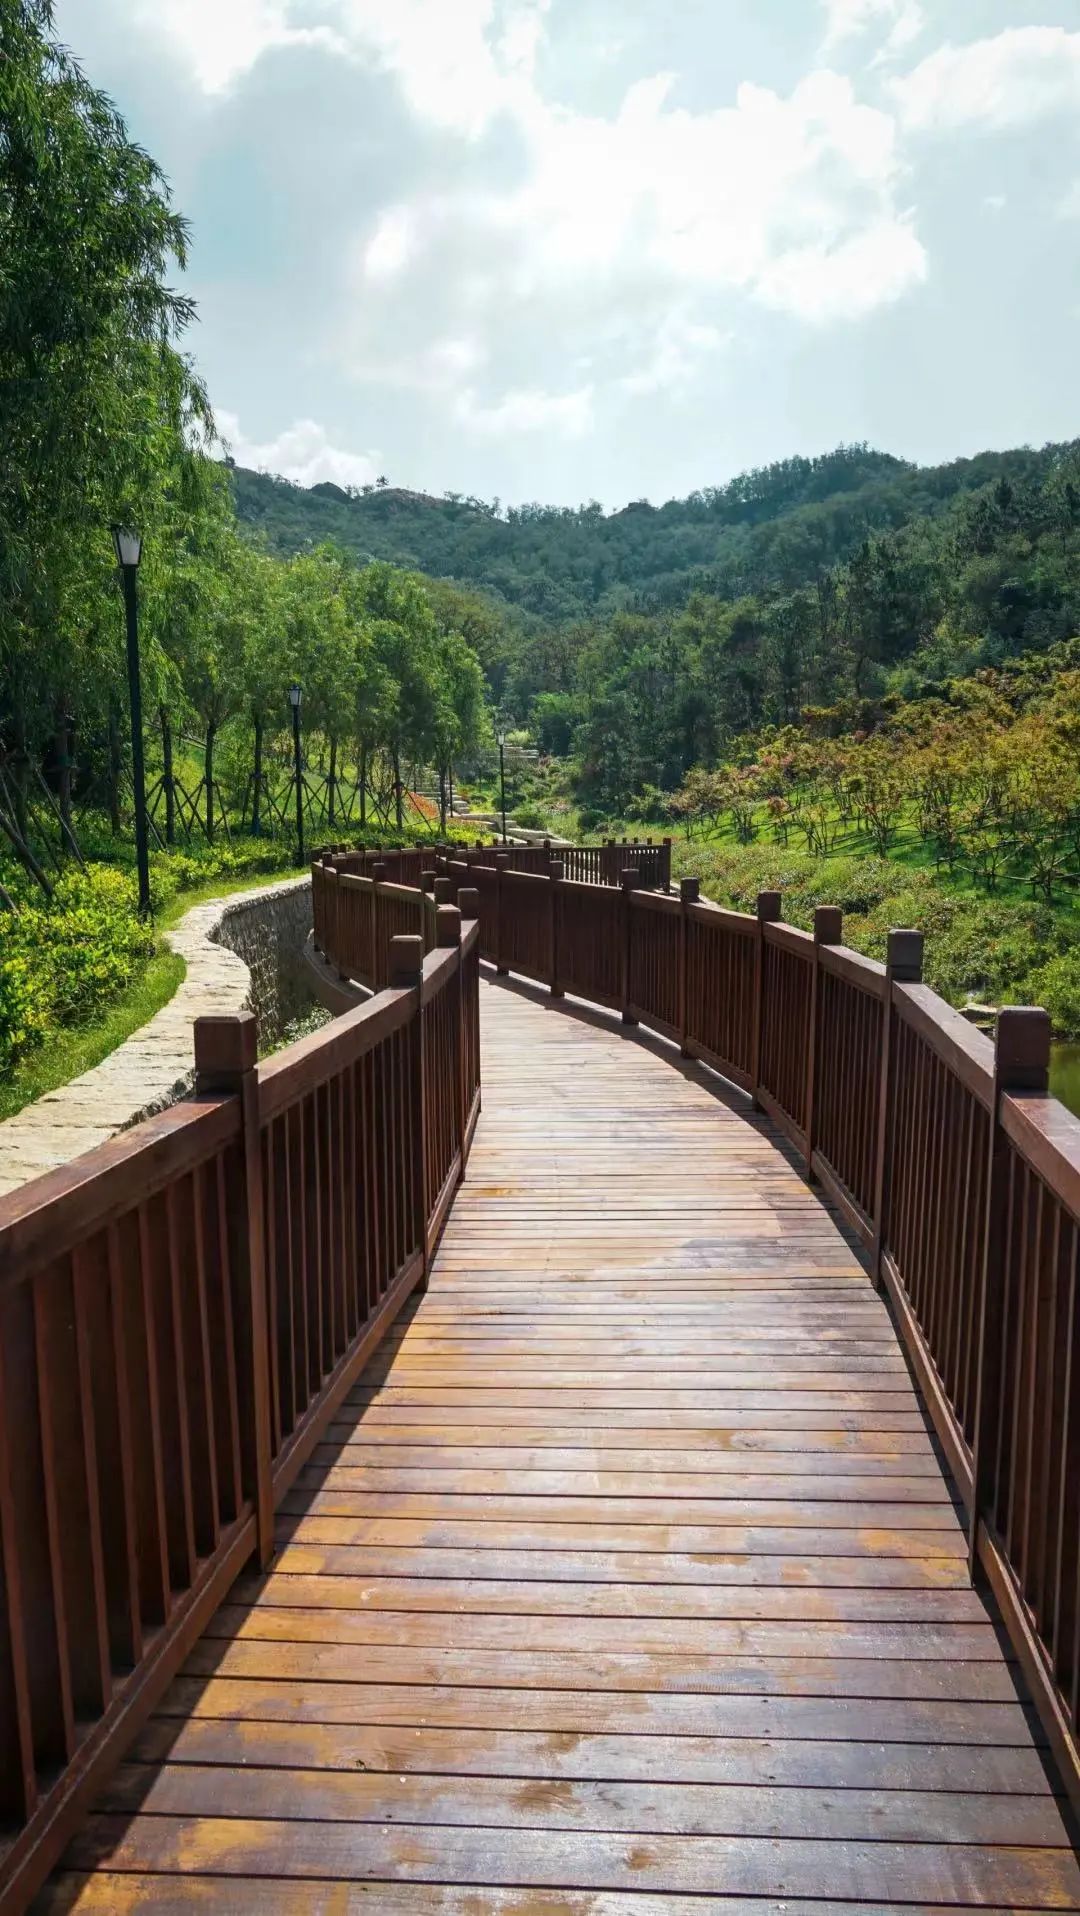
(570, 249)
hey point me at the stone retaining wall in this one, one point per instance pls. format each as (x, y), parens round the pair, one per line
(243, 953)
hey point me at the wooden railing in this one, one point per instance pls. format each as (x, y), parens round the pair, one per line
(944, 1155)
(591, 864)
(181, 1311)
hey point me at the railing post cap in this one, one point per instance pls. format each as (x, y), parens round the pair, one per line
(828, 925)
(689, 890)
(630, 878)
(378, 869)
(769, 906)
(444, 891)
(557, 868)
(226, 1045)
(406, 960)
(502, 860)
(468, 899)
(904, 956)
(1022, 1048)
(447, 927)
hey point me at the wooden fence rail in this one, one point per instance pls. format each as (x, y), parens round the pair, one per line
(944, 1154)
(181, 1311)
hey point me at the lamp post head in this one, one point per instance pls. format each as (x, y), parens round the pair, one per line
(128, 545)
(500, 738)
(295, 696)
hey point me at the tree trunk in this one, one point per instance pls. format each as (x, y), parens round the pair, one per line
(22, 851)
(397, 787)
(450, 782)
(114, 769)
(63, 768)
(167, 780)
(208, 756)
(363, 786)
(257, 779)
(442, 801)
(331, 787)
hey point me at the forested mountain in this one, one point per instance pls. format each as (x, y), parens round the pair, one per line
(774, 529)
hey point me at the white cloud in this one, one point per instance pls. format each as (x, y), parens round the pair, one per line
(1021, 75)
(459, 62)
(675, 357)
(222, 39)
(302, 453)
(848, 19)
(390, 245)
(529, 409)
(662, 199)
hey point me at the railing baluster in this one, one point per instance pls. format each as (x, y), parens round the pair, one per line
(1021, 1063)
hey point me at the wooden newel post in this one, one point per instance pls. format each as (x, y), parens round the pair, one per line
(428, 882)
(379, 959)
(768, 909)
(447, 927)
(665, 864)
(226, 1057)
(406, 973)
(448, 938)
(556, 874)
(903, 966)
(468, 900)
(629, 881)
(444, 891)
(828, 930)
(689, 893)
(1021, 1064)
(502, 866)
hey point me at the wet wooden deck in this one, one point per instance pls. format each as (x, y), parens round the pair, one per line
(631, 1576)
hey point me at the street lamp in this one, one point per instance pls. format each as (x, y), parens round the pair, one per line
(128, 553)
(502, 779)
(295, 696)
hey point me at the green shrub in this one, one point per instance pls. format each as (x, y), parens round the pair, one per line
(976, 947)
(1056, 986)
(61, 963)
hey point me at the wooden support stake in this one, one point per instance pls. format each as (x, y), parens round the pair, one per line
(226, 1061)
(1021, 1064)
(903, 966)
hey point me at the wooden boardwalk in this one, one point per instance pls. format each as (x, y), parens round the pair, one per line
(631, 1577)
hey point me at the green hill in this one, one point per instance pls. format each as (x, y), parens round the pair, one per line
(770, 530)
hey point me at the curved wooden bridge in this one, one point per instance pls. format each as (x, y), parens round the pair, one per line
(627, 1569)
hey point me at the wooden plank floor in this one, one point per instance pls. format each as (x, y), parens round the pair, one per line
(629, 1578)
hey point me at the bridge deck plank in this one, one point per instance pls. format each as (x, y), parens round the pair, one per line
(628, 1574)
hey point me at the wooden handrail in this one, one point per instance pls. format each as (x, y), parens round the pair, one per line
(181, 1312)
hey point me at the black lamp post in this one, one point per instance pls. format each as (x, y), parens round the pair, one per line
(502, 780)
(128, 553)
(295, 696)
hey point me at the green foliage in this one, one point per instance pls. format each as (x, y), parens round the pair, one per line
(975, 948)
(62, 962)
